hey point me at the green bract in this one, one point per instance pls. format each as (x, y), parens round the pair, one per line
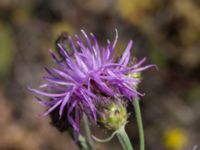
(113, 116)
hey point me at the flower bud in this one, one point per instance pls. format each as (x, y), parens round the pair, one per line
(136, 75)
(112, 116)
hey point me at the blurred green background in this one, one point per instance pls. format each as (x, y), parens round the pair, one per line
(166, 31)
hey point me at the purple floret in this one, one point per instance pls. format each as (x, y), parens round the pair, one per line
(90, 75)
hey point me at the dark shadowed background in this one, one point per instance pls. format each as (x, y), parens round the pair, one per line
(167, 32)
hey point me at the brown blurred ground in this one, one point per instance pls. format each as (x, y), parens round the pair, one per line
(167, 32)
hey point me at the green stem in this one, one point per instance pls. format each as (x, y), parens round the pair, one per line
(124, 139)
(88, 133)
(82, 144)
(139, 123)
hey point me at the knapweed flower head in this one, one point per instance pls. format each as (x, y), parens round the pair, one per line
(88, 76)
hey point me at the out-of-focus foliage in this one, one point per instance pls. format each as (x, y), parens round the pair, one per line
(6, 49)
(166, 32)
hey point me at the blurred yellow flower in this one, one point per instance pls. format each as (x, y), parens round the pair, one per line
(175, 139)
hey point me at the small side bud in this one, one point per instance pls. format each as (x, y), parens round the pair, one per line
(112, 116)
(135, 75)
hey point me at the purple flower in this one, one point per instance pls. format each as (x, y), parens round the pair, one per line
(88, 76)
